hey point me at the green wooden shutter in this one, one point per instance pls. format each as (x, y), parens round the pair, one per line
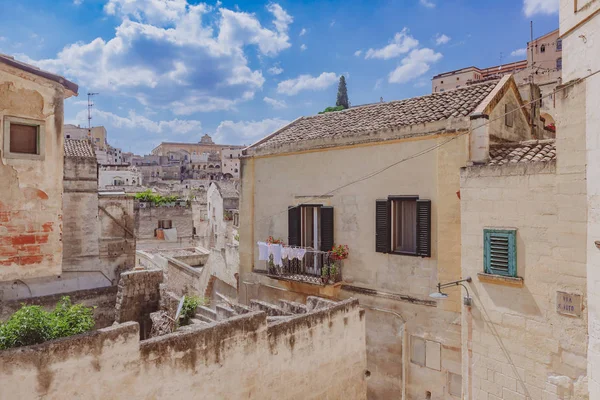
(326, 228)
(294, 227)
(382, 226)
(500, 252)
(424, 228)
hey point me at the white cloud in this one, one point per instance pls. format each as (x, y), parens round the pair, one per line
(402, 43)
(303, 32)
(246, 132)
(139, 122)
(307, 82)
(441, 39)
(303, 47)
(357, 53)
(77, 2)
(532, 7)
(172, 54)
(276, 104)
(414, 65)
(378, 83)
(332, 23)
(275, 70)
(519, 53)
(427, 3)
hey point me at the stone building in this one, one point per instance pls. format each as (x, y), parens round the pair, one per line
(230, 162)
(401, 224)
(98, 229)
(116, 175)
(579, 120)
(205, 145)
(222, 204)
(523, 244)
(31, 169)
(458, 78)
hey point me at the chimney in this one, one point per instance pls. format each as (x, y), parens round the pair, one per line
(479, 140)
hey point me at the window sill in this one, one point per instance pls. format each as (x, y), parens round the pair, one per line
(403, 253)
(501, 280)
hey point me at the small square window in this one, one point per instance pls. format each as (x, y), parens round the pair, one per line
(500, 252)
(23, 138)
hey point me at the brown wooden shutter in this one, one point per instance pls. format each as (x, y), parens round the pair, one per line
(382, 226)
(424, 228)
(294, 227)
(326, 228)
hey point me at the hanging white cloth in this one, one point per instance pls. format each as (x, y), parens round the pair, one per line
(300, 253)
(263, 251)
(285, 252)
(275, 251)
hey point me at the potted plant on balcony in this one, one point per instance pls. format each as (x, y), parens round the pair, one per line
(325, 274)
(272, 268)
(333, 271)
(339, 252)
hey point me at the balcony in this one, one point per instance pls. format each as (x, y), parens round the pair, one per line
(309, 269)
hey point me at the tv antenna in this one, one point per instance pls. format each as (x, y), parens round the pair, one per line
(89, 106)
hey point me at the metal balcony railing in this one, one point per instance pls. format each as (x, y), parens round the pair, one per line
(308, 269)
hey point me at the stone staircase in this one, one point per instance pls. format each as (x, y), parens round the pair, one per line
(224, 308)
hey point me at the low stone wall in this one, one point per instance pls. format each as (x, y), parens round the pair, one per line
(146, 220)
(316, 355)
(103, 299)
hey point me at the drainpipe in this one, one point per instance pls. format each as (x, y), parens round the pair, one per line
(404, 344)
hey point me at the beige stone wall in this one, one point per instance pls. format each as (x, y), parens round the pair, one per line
(435, 176)
(31, 199)
(515, 343)
(312, 356)
(146, 220)
(580, 117)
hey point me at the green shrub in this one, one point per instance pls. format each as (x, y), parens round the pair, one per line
(189, 309)
(68, 319)
(332, 109)
(32, 325)
(155, 198)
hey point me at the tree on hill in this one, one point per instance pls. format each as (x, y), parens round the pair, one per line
(342, 94)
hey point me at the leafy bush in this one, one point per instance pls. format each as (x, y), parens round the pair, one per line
(188, 311)
(71, 319)
(32, 325)
(154, 198)
(332, 109)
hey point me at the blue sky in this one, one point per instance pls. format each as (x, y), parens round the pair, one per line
(171, 70)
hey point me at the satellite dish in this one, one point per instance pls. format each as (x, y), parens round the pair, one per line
(179, 308)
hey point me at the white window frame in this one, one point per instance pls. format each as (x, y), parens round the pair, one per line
(41, 135)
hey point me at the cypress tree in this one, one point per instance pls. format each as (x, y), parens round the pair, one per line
(342, 94)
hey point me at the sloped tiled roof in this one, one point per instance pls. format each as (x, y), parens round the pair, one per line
(227, 189)
(79, 148)
(523, 152)
(379, 116)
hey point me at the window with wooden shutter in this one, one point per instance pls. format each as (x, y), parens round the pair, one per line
(382, 226)
(403, 226)
(424, 228)
(294, 226)
(326, 228)
(500, 252)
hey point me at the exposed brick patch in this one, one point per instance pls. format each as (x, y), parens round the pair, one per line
(48, 227)
(33, 194)
(23, 239)
(28, 260)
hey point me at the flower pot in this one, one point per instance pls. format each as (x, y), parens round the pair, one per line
(324, 279)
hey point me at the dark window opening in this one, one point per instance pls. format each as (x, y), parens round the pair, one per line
(24, 139)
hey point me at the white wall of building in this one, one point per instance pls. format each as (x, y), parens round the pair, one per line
(128, 177)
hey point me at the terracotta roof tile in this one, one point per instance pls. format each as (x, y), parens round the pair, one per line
(79, 148)
(523, 152)
(365, 119)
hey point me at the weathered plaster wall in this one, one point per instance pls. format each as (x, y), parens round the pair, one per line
(515, 343)
(312, 356)
(581, 46)
(434, 176)
(146, 220)
(31, 199)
